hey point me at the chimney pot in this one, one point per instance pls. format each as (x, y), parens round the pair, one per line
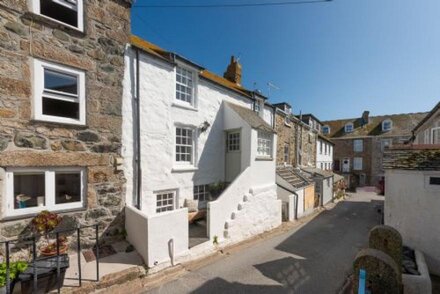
(365, 117)
(233, 72)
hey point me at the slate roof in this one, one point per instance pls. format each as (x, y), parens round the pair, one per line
(430, 114)
(251, 117)
(403, 125)
(412, 157)
(316, 171)
(168, 56)
(292, 176)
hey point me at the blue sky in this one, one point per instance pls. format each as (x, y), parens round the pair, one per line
(332, 59)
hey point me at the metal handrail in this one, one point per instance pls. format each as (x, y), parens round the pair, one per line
(34, 256)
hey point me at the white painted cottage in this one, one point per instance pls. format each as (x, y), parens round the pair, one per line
(187, 133)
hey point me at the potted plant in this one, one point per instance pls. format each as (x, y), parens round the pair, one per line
(44, 223)
(15, 268)
(217, 189)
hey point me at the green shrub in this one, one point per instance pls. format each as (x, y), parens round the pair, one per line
(15, 268)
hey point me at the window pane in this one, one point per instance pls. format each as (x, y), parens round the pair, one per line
(60, 82)
(60, 108)
(29, 190)
(63, 13)
(67, 187)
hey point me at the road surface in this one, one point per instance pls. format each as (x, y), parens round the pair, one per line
(313, 258)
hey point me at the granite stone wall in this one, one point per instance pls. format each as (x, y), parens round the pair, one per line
(25, 142)
(286, 135)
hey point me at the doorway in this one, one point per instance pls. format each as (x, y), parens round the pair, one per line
(233, 155)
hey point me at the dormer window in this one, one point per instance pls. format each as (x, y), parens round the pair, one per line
(326, 130)
(258, 105)
(67, 12)
(387, 125)
(349, 128)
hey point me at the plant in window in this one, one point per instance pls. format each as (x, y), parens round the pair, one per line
(44, 223)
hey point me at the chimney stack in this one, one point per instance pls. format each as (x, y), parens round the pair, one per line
(233, 72)
(365, 117)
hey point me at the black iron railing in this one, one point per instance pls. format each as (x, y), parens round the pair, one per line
(35, 259)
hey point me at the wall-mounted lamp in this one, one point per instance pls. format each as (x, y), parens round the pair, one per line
(204, 126)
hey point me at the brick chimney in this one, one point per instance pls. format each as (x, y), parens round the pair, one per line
(365, 117)
(233, 72)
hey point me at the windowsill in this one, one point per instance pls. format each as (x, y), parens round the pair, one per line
(33, 214)
(182, 169)
(54, 23)
(65, 124)
(263, 158)
(184, 106)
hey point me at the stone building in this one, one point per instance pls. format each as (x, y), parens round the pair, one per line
(286, 128)
(360, 142)
(427, 132)
(61, 72)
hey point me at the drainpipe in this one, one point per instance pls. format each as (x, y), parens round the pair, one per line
(137, 138)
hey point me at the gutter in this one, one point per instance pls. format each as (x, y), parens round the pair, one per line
(137, 170)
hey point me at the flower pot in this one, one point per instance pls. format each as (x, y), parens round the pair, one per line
(11, 288)
(46, 269)
(53, 252)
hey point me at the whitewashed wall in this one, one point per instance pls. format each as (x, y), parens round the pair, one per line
(158, 238)
(323, 158)
(327, 190)
(158, 119)
(412, 207)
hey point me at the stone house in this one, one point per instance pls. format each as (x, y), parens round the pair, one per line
(428, 129)
(188, 131)
(61, 72)
(360, 142)
(412, 176)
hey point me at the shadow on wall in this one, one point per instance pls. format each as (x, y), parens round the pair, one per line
(212, 158)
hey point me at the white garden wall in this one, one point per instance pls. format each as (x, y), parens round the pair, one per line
(152, 241)
(412, 207)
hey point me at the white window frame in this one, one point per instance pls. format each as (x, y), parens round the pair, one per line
(383, 143)
(166, 192)
(233, 142)
(387, 121)
(201, 190)
(49, 175)
(193, 161)
(38, 92)
(194, 101)
(35, 8)
(432, 140)
(358, 163)
(349, 126)
(259, 105)
(264, 144)
(326, 130)
(358, 145)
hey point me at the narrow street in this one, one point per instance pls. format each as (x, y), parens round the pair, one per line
(313, 258)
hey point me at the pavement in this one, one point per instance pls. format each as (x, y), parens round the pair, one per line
(315, 257)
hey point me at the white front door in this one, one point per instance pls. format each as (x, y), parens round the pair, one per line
(233, 155)
(346, 165)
